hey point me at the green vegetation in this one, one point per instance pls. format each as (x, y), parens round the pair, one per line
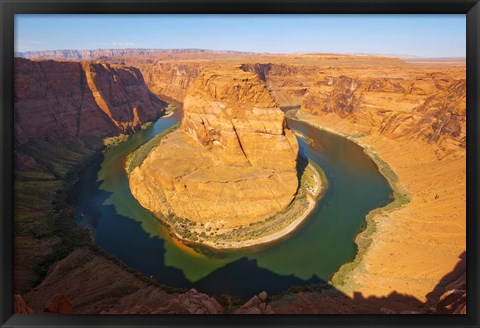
(146, 125)
(364, 238)
(115, 141)
(137, 157)
(59, 157)
(170, 109)
(45, 231)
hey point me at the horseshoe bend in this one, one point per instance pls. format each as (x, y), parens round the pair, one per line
(161, 181)
(230, 176)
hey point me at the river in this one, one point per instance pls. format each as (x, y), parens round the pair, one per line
(312, 254)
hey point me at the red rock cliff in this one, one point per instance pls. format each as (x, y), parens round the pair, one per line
(57, 99)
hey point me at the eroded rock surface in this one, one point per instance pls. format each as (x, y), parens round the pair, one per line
(233, 161)
(430, 107)
(72, 99)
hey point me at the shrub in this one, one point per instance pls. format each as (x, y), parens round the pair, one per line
(138, 156)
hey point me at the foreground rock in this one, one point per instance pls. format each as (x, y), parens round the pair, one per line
(232, 163)
(87, 283)
(58, 304)
(256, 305)
(20, 306)
(193, 302)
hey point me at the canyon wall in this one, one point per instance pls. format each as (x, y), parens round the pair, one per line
(170, 78)
(71, 99)
(287, 83)
(232, 110)
(426, 106)
(287, 78)
(411, 118)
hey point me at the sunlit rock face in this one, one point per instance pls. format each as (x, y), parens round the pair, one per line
(232, 162)
(427, 107)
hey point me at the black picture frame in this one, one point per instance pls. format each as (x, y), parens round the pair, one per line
(9, 8)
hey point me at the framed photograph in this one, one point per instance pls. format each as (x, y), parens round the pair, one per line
(208, 163)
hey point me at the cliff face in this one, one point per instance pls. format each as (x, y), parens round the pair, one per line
(170, 79)
(67, 99)
(232, 163)
(287, 83)
(233, 111)
(287, 78)
(427, 107)
(413, 118)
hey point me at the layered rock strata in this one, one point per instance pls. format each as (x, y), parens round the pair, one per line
(232, 163)
(414, 120)
(428, 107)
(71, 99)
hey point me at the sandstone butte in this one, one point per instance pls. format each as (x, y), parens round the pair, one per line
(233, 162)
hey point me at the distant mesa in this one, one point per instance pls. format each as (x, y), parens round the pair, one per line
(71, 54)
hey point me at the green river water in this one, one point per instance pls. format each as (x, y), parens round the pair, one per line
(310, 255)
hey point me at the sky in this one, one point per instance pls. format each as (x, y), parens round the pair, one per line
(416, 35)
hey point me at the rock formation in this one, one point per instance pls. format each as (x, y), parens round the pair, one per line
(58, 304)
(66, 99)
(232, 163)
(256, 305)
(20, 306)
(170, 78)
(428, 107)
(413, 118)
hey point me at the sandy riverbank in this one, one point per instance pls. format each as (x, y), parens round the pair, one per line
(410, 248)
(168, 114)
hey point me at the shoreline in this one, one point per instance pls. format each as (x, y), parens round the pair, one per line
(312, 196)
(168, 114)
(410, 244)
(400, 197)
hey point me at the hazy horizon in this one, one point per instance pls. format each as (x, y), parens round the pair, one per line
(251, 52)
(423, 36)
